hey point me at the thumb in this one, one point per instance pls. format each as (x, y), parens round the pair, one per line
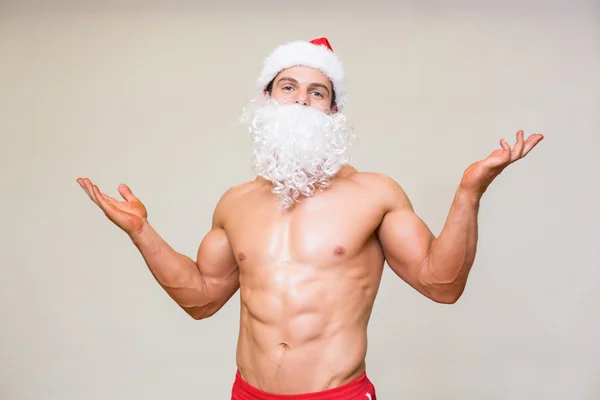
(126, 193)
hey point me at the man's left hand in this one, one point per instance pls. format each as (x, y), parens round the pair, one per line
(480, 175)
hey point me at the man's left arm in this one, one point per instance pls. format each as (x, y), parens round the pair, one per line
(438, 267)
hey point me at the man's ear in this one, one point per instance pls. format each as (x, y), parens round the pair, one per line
(334, 109)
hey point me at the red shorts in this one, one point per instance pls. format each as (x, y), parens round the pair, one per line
(360, 388)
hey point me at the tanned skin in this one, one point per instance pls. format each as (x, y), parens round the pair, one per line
(308, 276)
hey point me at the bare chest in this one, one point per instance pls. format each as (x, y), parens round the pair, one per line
(317, 232)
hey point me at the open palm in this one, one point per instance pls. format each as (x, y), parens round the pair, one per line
(480, 175)
(129, 215)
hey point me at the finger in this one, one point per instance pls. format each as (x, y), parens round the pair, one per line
(517, 151)
(85, 184)
(80, 183)
(90, 188)
(106, 206)
(109, 199)
(498, 158)
(126, 193)
(531, 142)
(506, 147)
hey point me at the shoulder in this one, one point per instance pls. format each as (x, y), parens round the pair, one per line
(381, 187)
(231, 199)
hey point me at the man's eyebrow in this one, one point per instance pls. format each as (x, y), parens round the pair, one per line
(313, 84)
(287, 79)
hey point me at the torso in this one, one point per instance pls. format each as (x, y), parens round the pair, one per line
(308, 281)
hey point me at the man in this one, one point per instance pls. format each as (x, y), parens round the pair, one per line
(305, 242)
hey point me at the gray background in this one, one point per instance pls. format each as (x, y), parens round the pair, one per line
(147, 93)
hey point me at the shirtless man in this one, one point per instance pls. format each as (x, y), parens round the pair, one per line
(306, 241)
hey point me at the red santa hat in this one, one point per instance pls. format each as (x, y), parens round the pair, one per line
(317, 54)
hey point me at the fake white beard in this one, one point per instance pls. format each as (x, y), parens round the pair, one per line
(298, 148)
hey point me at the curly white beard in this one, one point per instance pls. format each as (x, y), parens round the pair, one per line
(298, 148)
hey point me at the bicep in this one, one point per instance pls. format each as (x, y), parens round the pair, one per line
(218, 266)
(405, 238)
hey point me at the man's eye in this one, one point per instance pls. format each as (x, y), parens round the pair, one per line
(286, 88)
(318, 94)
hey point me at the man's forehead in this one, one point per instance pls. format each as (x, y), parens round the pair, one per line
(303, 76)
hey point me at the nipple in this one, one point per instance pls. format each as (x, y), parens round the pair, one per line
(339, 251)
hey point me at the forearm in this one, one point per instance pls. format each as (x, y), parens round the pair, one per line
(177, 274)
(452, 254)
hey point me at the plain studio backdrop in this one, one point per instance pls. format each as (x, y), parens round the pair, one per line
(148, 95)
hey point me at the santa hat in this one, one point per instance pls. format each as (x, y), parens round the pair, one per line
(317, 54)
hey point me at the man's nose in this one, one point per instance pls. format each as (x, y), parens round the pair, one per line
(302, 98)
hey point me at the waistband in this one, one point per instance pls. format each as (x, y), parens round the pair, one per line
(359, 388)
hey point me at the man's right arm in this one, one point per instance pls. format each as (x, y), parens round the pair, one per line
(200, 288)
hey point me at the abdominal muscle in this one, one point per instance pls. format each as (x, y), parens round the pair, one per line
(303, 328)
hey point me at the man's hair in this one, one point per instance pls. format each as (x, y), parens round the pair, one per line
(269, 90)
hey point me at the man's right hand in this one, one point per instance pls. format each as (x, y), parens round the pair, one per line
(129, 215)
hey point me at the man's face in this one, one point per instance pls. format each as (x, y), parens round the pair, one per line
(303, 85)
(300, 141)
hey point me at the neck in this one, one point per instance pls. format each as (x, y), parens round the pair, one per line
(344, 172)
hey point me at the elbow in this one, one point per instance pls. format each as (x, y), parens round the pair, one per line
(443, 291)
(198, 316)
(446, 294)
(200, 312)
(446, 298)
